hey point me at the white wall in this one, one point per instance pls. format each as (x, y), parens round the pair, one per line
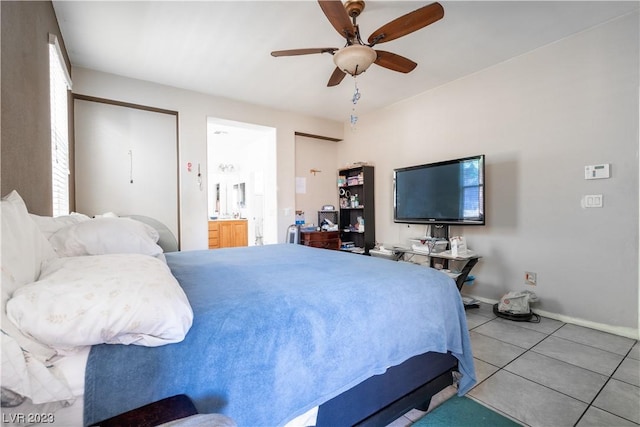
(539, 118)
(193, 109)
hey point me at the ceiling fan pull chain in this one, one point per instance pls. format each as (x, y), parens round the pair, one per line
(356, 94)
(355, 99)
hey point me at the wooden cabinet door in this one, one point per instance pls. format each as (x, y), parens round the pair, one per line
(227, 234)
(240, 237)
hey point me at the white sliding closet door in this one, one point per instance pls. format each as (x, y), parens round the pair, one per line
(126, 162)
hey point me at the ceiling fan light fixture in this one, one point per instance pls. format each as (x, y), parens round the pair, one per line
(354, 59)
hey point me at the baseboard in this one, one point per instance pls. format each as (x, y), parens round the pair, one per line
(616, 330)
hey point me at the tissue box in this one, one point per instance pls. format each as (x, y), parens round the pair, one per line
(429, 245)
(439, 246)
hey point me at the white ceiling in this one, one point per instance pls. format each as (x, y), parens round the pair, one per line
(223, 47)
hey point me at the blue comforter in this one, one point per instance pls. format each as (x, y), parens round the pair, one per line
(279, 329)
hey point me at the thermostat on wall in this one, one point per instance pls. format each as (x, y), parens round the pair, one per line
(596, 171)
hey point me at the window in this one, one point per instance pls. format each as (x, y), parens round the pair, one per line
(472, 188)
(59, 84)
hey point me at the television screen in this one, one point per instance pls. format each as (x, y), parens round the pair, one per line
(449, 192)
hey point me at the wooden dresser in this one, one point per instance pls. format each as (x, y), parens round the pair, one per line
(321, 239)
(227, 233)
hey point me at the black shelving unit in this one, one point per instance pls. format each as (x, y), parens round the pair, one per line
(356, 195)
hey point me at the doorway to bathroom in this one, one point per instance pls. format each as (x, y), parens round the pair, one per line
(241, 165)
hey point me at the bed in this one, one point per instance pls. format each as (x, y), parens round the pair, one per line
(280, 331)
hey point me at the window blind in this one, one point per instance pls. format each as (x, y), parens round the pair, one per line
(60, 83)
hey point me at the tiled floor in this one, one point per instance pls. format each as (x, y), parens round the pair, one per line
(551, 373)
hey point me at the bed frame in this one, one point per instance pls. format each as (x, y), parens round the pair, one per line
(383, 398)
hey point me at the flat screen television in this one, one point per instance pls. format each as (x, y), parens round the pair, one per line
(449, 192)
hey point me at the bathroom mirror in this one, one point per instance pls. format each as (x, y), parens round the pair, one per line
(239, 195)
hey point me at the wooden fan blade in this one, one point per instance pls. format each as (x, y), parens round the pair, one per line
(336, 77)
(394, 62)
(336, 14)
(407, 24)
(294, 52)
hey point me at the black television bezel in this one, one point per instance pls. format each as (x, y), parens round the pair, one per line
(441, 221)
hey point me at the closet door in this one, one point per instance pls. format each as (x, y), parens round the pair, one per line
(126, 161)
(316, 175)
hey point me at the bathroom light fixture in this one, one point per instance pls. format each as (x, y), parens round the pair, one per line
(226, 167)
(354, 59)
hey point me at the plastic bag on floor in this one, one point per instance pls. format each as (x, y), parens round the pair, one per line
(517, 302)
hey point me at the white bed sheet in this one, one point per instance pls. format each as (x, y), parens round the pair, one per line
(72, 367)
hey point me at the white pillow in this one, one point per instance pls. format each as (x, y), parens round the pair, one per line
(48, 225)
(106, 236)
(24, 248)
(38, 350)
(112, 299)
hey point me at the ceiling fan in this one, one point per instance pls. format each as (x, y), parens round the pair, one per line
(356, 56)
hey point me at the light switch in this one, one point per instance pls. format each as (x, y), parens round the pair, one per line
(592, 201)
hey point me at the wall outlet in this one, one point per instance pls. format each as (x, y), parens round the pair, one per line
(530, 278)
